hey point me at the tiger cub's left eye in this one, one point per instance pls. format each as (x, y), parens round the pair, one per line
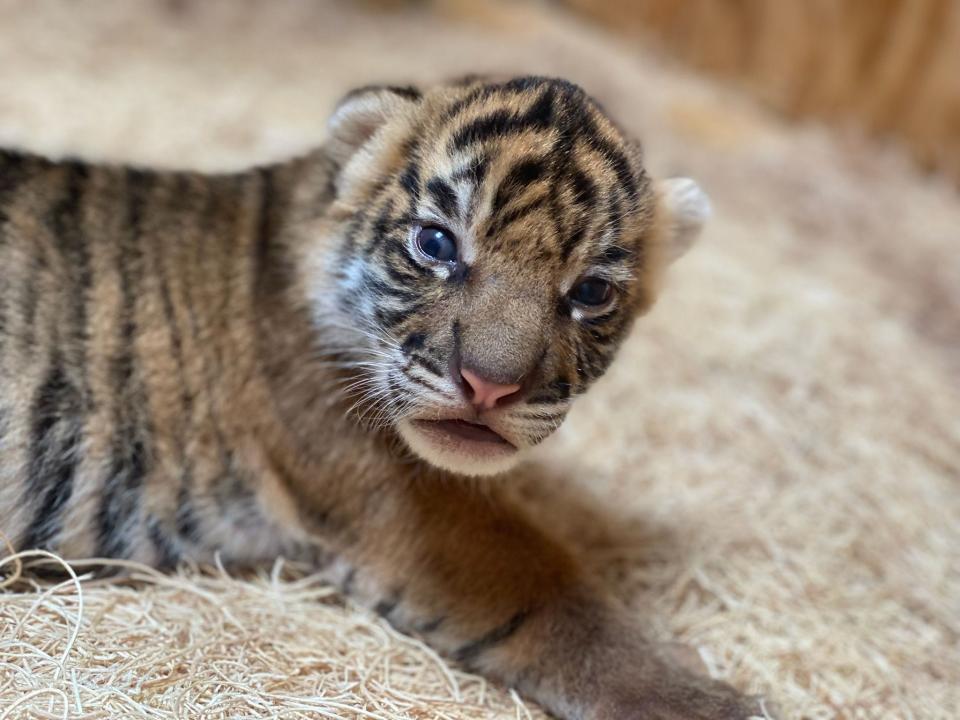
(592, 292)
(437, 244)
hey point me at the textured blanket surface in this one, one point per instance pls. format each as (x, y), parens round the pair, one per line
(770, 472)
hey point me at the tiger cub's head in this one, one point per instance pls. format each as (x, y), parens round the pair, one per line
(489, 246)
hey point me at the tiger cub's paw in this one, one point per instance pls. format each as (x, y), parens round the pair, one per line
(678, 695)
(669, 682)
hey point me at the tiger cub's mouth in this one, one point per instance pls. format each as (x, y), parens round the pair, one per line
(469, 447)
(464, 430)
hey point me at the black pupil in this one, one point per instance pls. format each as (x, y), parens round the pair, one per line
(437, 244)
(591, 292)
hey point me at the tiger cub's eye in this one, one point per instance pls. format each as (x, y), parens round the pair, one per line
(437, 244)
(591, 292)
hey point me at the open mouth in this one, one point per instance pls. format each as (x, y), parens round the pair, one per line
(462, 446)
(463, 430)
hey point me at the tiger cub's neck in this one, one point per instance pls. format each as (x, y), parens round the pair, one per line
(309, 429)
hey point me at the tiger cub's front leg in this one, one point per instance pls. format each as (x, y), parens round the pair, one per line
(467, 572)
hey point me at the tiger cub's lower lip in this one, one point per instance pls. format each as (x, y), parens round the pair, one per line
(464, 430)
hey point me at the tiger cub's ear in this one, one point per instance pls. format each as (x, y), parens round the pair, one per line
(683, 208)
(361, 113)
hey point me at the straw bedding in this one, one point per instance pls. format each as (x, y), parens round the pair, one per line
(770, 472)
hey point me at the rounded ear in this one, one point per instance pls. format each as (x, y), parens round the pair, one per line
(684, 208)
(361, 113)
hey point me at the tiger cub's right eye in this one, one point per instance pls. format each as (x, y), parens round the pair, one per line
(437, 244)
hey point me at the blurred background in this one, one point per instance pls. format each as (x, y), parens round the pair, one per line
(775, 455)
(891, 67)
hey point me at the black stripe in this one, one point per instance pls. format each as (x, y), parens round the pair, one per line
(414, 341)
(410, 181)
(427, 364)
(167, 553)
(431, 625)
(584, 189)
(188, 527)
(498, 123)
(475, 95)
(397, 252)
(38, 269)
(612, 255)
(55, 437)
(555, 392)
(540, 114)
(388, 318)
(466, 654)
(405, 91)
(444, 196)
(615, 219)
(541, 415)
(185, 522)
(14, 170)
(516, 180)
(347, 585)
(264, 277)
(399, 276)
(66, 223)
(58, 408)
(581, 368)
(381, 227)
(614, 158)
(128, 467)
(408, 92)
(514, 86)
(516, 215)
(265, 228)
(378, 287)
(474, 172)
(388, 604)
(422, 382)
(570, 242)
(557, 215)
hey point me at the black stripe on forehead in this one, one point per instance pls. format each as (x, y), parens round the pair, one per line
(612, 157)
(443, 196)
(517, 214)
(517, 178)
(569, 243)
(475, 171)
(494, 124)
(584, 189)
(484, 92)
(503, 122)
(410, 180)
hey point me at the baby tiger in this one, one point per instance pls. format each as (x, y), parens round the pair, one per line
(304, 359)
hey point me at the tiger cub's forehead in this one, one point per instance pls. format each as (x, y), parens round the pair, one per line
(536, 160)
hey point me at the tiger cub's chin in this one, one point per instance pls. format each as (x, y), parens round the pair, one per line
(459, 446)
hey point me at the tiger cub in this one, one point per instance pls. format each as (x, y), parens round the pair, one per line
(303, 358)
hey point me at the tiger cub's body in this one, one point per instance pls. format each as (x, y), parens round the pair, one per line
(131, 390)
(193, 365)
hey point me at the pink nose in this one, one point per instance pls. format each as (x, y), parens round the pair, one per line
(483, 393)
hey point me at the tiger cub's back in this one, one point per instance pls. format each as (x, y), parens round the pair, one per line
(124, 301)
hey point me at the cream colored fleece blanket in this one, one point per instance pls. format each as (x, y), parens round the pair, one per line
(770, 472)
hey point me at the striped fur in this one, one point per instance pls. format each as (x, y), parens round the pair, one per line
(193, 365)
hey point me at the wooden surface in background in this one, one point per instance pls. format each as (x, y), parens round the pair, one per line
(890, 66)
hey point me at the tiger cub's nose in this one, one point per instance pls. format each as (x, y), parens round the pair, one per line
(484, 394)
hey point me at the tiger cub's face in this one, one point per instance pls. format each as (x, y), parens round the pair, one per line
(492, 244)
